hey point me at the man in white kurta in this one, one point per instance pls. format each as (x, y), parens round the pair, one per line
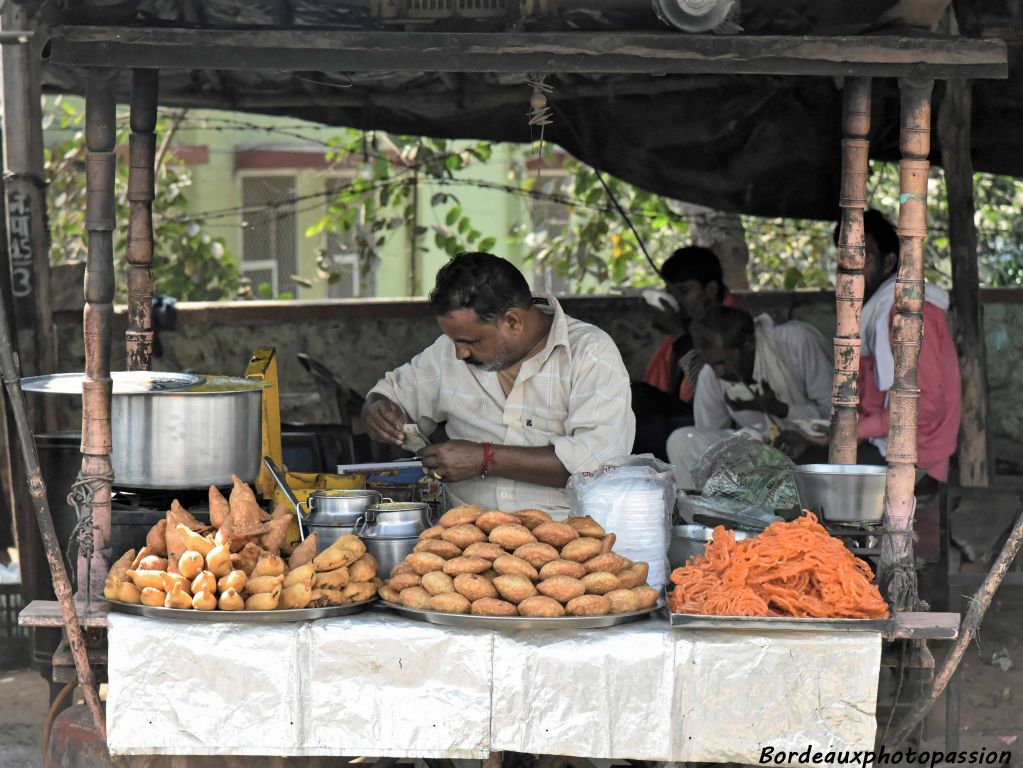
(760, 378)
(529, 395)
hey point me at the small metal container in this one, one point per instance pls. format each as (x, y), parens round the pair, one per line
(334, 513)
(842, 493)
(690, 540)
(340, 507)
(390, 531)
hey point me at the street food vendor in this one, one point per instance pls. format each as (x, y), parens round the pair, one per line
(529, 395)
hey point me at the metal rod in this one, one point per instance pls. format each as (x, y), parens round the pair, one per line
(141, 189)
(16, 37)
(845, 397)
(37, 491)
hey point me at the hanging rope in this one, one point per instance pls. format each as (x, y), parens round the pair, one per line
(80, 498)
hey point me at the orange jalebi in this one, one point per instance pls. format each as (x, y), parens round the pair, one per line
(791, 569)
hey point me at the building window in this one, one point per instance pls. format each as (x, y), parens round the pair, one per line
(341, 250)
(547, 219)
(346, 268)
(269, 234)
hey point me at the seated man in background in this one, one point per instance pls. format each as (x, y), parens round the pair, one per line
(758, 377)
(938, 374)
(663, 401)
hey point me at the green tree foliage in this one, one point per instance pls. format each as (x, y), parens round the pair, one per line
(599, 252)
(383, 196)
(188, 263)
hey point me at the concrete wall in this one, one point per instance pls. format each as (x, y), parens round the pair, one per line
(359, 340)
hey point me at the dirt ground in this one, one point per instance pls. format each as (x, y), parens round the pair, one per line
(991, 718)
(24, 699)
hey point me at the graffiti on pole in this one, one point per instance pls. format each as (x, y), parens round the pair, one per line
(19, 233)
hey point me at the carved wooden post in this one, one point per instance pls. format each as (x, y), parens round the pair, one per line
(845, 397)
(141, 159)
(897, 569)
(92, 489)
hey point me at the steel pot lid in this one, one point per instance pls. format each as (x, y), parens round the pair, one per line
(125, 382)
(340, 507)
(394, 518)
(344, 493)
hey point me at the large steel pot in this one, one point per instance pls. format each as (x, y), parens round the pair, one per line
(176, 431)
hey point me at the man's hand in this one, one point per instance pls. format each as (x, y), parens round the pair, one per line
(384, 420)
(768, 403)
(794, 444)
(454, 460)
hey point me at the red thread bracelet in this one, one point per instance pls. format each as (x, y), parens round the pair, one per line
(488, 459)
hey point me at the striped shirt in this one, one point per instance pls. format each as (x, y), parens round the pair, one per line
(573, 395)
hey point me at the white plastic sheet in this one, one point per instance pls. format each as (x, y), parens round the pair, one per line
(379, 685)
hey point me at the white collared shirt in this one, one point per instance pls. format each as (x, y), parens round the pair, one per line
(574, 395)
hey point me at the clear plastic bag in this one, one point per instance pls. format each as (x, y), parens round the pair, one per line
(633, 498)
(742, 468)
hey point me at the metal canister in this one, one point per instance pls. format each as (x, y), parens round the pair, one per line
(390, 531)
(333, 513)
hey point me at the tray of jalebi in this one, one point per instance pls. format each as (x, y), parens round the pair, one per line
(794, 576)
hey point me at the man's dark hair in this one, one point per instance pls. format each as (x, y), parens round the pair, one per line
(733, 326)
(482, 282)
(875, 225)
(694, 262)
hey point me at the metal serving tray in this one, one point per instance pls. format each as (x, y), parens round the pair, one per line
(281, 616)
(508, 623)
(776, 623)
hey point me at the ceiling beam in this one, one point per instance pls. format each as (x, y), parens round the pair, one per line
(603, 52)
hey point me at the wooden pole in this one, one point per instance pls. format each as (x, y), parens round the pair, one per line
(94, 480)
(896, 572)
(975, 614)
(954, 136)
(44, 521)
(28, 237)
(845, 397)
(141, 181)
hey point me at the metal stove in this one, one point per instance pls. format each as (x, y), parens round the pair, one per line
(133, 513)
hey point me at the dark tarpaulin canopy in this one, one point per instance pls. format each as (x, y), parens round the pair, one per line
(758, 144)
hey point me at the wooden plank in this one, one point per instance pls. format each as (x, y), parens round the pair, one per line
(925, 626)
(605, 52)
(46, 613)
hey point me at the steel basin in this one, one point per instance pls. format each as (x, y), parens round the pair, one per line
(842, 493)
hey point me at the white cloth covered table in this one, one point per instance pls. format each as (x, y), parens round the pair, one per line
(376, 684)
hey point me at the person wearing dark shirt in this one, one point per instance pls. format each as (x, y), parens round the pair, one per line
(663, 401)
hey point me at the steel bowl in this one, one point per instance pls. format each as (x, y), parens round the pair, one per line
(842, 493)
(690, 540)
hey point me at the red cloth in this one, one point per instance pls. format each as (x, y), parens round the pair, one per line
(940, 397)
(660, 370)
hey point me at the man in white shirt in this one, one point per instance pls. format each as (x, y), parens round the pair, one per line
(759, 377)
(529, 395)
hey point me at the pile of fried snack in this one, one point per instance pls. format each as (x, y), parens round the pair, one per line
(237, 563)
(492, 563)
